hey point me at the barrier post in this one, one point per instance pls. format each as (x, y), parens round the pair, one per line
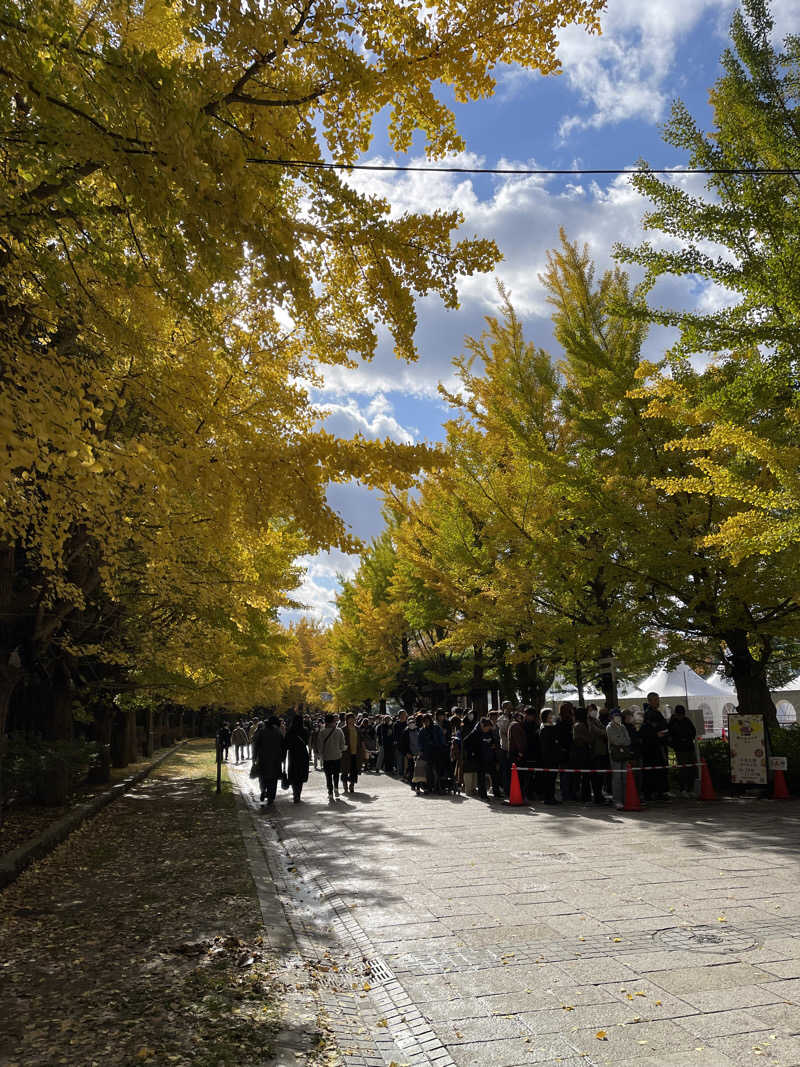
(515, 792)
(706, 785)
(632, 802)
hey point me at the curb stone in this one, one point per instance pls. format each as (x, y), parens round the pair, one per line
(300, 1032)
(14, 863)
(376, 1027)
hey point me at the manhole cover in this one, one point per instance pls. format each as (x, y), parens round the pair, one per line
(706, 939)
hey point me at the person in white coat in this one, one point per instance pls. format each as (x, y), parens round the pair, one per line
(330, 746)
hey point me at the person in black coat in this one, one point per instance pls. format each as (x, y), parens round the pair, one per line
(297, 757)
(564, 727)
(682, 735)
(386, 742)
(269, 748)
(480, 747)
(554, 754)
(224, 740)
(655, 736)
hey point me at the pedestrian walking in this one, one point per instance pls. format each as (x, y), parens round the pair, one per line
(331, 746)
(269, 747)
(297, 757)
(353, 755)
(239, 740)
(224, 739)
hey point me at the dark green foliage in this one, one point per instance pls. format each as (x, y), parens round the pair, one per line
(31, 764)
(783, 741)
(717, 756)
(786, 742)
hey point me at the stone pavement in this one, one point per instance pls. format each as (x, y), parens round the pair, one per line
(469, 932)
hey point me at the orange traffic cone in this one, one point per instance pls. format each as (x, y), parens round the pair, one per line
(706, 787)
(779, 790)
(515, 792)
(632, 802)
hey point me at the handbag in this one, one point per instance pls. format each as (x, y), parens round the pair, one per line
(254, 769)
(620, 753)
(420, 776)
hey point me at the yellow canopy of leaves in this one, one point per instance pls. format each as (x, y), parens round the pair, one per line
(168, 294)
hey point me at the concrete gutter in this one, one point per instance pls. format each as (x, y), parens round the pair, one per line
(14, 863)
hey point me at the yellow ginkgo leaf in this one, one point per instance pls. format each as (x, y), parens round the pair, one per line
(601, 1035)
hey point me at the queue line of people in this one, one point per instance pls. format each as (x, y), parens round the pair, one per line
(572, 755)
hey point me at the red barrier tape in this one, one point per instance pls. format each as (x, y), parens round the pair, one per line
(606, 770)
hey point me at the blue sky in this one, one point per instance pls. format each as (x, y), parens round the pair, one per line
(604, 110)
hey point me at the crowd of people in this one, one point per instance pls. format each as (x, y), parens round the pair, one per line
(577, 755)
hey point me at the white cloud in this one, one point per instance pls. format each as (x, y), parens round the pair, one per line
(630, 71)
(523, 215)
(319, 586)
(376, 421)
(627, 71)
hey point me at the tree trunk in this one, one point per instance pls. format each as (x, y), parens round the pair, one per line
(579, 684)
(534, 683)
(132, 748)
(382, 706)
(749, 677)
(150, 731)
(10, 678)
(103, 716)
(123, 738)
(61, 693)
(607, 680)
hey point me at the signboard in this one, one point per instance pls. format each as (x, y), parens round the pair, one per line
(778, 763)
(748, 745)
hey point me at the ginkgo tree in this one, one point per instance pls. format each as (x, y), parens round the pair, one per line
(734, 426)
(507, 531)
(166, 286)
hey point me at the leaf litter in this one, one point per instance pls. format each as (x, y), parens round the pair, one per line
(139, 940)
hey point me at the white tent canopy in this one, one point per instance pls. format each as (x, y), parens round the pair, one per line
(682, 685)
(681, 681)
(791, 687)
(719, 681)
(560, 692)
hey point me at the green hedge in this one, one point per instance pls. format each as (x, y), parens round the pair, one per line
(716, 753)
(31, 764)
(784, 741)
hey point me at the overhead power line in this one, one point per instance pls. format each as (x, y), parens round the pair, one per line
(311, 164)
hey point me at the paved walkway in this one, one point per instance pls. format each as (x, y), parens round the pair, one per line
(467, 932)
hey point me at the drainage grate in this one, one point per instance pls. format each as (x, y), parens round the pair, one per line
(706, 939)
(378, 971)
